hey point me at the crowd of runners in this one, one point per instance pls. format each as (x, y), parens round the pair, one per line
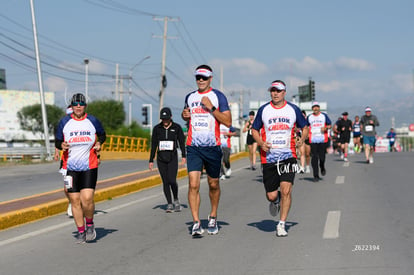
(289, 142)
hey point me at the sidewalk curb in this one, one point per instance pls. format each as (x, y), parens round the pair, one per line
(44, 210)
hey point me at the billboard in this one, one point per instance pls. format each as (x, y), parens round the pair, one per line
(11, 102)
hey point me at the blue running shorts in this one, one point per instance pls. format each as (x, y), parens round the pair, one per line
(369, 140)
(207, 157)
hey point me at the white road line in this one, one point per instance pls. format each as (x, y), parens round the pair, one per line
(331, 230)
(346, 164)
(340, 179)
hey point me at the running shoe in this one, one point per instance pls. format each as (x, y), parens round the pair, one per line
(177, 206)
(307, 169)
(212, 228)
(197, 229)
(223, 177)
(371, 160)
(346, 159)
(281, 231)
(274, 206)
(170, 208)
(81, 237)
(90, 232)
(323, 172)
(228, 172)
(69, 211)
(253, 168)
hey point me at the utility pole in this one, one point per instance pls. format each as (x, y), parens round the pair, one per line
(164, 54)
(39, 77)
(116, 82)
(86, 61)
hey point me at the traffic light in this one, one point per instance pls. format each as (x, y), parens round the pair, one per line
(145, 114)
(312, 89)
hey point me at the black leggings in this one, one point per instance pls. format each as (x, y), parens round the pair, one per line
(318, 151)
(168, 172)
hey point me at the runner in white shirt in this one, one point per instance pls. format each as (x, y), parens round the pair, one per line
(319, 123)
(274, 131)
(205, 109)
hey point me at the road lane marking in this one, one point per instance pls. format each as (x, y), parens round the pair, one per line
(331, 230)
(340, 179)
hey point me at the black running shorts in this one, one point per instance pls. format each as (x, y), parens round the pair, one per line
(83, 179)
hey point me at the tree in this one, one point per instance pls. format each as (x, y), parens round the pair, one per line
(110, 112)
(30, 118)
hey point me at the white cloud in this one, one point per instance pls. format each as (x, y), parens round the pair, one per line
(402, 83)
(94, 66)
(311, 66)
(353, 64)
(55, 84)
(243, 66)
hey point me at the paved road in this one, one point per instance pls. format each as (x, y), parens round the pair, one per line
(20, 181)
(358, 220)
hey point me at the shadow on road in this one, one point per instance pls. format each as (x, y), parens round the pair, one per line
(270, 225)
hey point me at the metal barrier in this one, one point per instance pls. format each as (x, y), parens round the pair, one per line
(125, 144)
(26, 153)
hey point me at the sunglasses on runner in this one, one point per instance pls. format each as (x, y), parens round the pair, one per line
(79, 103)
(198, 77)
(276, 90)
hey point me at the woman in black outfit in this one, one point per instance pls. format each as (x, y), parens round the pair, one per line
(166, 137)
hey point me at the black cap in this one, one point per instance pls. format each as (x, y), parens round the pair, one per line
(345, 113)
(251, 113)
(165, 113)
(78, 98)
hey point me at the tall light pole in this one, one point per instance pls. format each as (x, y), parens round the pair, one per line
(86, 61)
(39, 76)
(130, 88)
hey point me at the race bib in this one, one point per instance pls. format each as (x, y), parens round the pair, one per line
(68, 181)
(166, 145)
(201, 123)
(369, 128)
(392, 139)
(279, 141)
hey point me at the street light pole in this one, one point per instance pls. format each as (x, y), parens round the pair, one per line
(39, 76)
(130, 88)
(86, 61)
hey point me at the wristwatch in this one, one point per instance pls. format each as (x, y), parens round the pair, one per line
(213, 109)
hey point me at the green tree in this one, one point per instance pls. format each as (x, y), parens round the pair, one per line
(133, 130)
(110, 112)
(30, 118)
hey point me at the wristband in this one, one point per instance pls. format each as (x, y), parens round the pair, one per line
(213, 109)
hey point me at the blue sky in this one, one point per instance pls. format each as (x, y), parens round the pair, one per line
(359, 53)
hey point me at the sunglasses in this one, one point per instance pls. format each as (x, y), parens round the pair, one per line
(276, 90)
(79, 103)
(198, 77)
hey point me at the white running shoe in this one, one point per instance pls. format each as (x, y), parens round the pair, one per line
(212, 228)
(307, 169)
(69, 211)
(371, 159)
(280, 230)
(346, 159)
(228, 172)
(197, 230)
(223, 177)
